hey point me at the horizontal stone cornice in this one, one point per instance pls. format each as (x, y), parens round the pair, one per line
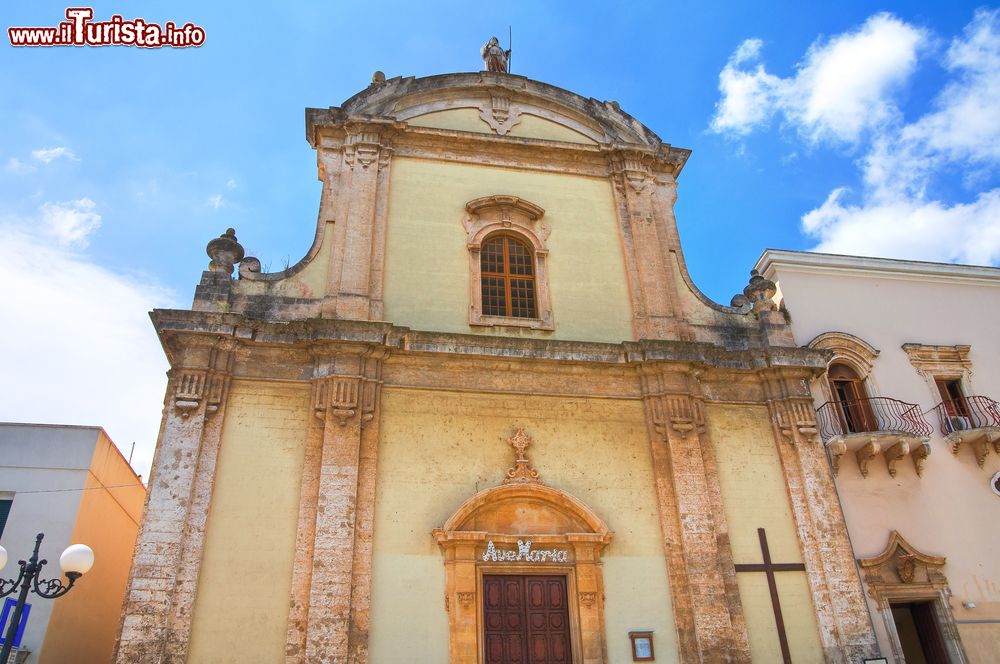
(180, 327)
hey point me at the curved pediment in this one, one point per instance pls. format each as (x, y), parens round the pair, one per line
(525, 509)
(501, 104)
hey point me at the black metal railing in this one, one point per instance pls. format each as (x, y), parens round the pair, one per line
(873, 414)
(967, 413)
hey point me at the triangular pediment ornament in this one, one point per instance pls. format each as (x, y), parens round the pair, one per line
(901, 562)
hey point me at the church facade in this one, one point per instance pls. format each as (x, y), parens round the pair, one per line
(488, 417)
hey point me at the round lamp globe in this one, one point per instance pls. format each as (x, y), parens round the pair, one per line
(77, 559)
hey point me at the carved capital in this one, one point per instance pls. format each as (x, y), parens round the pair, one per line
(632, 168)
(208, 384)
(337, 396)
(367, 144)
(347, 381)
(679, 413)
(795, 419)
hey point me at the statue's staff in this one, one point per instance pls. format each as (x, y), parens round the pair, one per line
(510, 48)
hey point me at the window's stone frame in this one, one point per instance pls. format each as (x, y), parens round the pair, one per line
(513, 215)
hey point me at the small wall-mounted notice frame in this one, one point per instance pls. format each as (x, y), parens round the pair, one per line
(642, 646)
(877, 660)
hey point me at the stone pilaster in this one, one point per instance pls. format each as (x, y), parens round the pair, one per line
(359, 184)
(844, 625)
(156, 618)
(644, 202)
(331, 584)
(706, 601)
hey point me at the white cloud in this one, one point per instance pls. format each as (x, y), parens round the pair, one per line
(71, 222)
(216, 201)
(15, 166)
(841, 88)
(964, 126)
(749, 98)
(909, 228)
(78, 347)
(843, 91)
(231, 184)
(48, 155)
(895, 217)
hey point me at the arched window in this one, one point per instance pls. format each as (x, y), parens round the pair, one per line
(508, 263)
(507, 273)
(849, 391)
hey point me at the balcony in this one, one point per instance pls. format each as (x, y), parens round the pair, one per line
(872, 426)
(971, 421)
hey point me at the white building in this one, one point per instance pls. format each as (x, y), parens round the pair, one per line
(71, 483)
(908, 412)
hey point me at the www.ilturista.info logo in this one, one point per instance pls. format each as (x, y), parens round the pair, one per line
(80, 30)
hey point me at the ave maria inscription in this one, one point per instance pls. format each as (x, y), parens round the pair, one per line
(524, 553)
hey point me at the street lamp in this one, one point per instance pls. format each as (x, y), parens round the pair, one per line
(75, 561)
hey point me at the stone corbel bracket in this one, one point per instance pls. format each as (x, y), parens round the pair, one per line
(892, 447)
(979, 440)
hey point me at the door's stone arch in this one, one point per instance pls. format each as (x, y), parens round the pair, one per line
(524, 528)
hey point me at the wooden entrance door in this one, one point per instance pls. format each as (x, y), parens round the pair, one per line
(526, 619)
(918, 633)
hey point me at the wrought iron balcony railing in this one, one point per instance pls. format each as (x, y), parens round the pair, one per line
(871, 415)
(967, 413)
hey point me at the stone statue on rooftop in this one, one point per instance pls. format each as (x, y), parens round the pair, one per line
(494, 57)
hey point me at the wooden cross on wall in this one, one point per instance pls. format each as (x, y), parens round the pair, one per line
(769, 569)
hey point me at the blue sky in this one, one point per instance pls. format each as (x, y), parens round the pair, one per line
(851, 127)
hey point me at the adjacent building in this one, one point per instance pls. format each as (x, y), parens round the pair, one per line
(908, 411)
(72, 484)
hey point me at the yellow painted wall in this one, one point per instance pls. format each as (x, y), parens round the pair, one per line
(459, 119)
(754, 493)
(590, 299)
(533, 126)
(530, 126)
(438, 449)
(84, 624)
(241, 609)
